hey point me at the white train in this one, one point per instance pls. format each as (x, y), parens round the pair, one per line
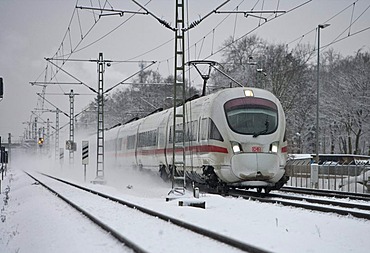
(234, 138)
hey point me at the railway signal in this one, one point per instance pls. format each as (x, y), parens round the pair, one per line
(1, 87)
(40, 141)
(61, 156)
(100, 104)
(85, 156)
(85, 152)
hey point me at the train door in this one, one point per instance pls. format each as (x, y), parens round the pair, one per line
(136, 146)
(204, 130)
(118, 147)
(162, 141)
(168, 137)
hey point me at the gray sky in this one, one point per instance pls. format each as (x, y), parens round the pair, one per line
(33, 30)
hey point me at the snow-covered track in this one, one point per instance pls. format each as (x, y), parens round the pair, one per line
(225, 244)
(358, 210)
(327, 193)
(114, 233)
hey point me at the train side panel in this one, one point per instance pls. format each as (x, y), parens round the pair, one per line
(237, 137)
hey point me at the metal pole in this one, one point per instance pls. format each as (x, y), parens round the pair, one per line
(47, 136)
(100, 126)
(317, 94)
(57, 153)
(84, 172)
(318, 89)
(178, 124)
(71, 126)
(1, 165)
(10, 146)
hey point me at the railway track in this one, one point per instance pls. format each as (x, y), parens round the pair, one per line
(327, 193)
(332, 202)
(98, 208)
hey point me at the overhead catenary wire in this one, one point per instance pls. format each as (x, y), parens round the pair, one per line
(123, 81)
(60, 49)
(350, 23)
(236, 18)
(352, 5)
(257, 27)
(263, 5)
(66, 72)
(212, 32)
(349, 27)
(353, 34)
(60, 53)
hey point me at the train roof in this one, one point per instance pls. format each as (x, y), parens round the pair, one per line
(197, 100)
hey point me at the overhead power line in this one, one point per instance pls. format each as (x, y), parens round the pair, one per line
(349, 28)
(337, 39)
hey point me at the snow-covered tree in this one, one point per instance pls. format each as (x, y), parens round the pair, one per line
(347, 101)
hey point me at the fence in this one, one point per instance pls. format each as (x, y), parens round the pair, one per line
(330, 176)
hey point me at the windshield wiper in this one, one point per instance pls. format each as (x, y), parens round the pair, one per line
(263, 131)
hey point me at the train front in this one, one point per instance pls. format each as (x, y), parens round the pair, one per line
(254, 124)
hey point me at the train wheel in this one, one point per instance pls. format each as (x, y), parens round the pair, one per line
(259, 190)
(222, 189)
(267, 190)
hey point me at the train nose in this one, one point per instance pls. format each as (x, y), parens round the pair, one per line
(255, 166)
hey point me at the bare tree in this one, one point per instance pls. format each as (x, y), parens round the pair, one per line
(347, 97)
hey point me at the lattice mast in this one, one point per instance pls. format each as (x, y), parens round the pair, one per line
(100, 130)
(71, 126)
(179, 96)
(56, 143)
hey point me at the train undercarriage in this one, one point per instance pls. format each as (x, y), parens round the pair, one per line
(212, 181)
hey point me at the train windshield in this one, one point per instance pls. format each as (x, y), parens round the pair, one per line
(252, 116)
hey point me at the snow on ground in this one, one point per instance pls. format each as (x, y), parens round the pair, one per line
(35, 221)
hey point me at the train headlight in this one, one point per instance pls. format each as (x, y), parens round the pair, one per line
(248, 93)
(274, 147)
(237, 148)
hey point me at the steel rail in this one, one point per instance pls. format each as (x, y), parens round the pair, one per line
(322, 201)
(267, 199)
(193, 228)
(327, 193)
(95, 220)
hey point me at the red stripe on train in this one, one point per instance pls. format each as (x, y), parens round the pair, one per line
(197, 149)
(284, 149)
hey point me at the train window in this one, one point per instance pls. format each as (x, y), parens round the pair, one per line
(214, 133)
(188, 132)
(194, 128)
(170, 135)
(204, 129)
(147, 139)
(119, 144)
(131, 142)
(178, 137)
(250, 115)
(191, 131)
(284, 139)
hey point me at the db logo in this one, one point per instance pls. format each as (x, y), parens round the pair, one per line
(256, 149)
